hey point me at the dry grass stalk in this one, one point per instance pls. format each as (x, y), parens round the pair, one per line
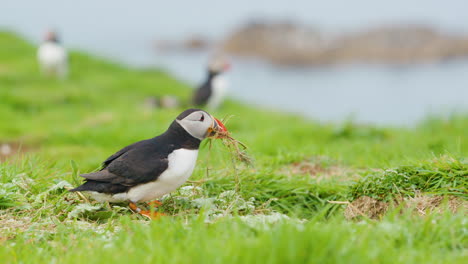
(80, 194)
(237, 148)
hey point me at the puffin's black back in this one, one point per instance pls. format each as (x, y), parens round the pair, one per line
(204, 91)
(139, 163)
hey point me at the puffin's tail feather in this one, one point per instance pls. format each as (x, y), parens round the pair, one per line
(78, 189)
(101, 187)
(101, 176)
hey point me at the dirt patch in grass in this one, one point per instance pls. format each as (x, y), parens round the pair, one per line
(321, 168)
(10, 226)
(423, 204)
(365, 206)
(9, 150)
(420, 205)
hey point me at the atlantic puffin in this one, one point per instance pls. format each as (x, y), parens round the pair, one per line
(212, 91)
(151, 168)
(52, 56)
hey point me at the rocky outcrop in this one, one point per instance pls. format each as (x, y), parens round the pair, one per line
(291, 44)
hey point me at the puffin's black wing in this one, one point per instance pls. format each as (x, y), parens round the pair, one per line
(202, 94)
(139, 163)
(121, 152)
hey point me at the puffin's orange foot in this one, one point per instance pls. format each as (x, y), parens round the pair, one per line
(150, 214)
(134, 207)
(155, 204)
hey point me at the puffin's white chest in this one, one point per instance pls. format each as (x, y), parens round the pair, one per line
(53, 58)
(181, 165)
(218, 91)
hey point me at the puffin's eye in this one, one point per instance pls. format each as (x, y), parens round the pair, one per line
(202, 118)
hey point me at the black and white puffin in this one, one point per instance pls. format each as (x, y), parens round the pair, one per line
(149, 169)
(52, 56)
(213, 90)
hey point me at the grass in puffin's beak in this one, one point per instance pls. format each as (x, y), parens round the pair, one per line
(236, 148)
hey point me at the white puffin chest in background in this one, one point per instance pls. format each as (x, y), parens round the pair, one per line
(180, 167)
(53, 59)
(219, 87)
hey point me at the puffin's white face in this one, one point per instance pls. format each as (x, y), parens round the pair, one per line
(200, 124)
(219, 64)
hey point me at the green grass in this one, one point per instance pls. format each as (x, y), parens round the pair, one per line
(272, 212)
(443, 176)
(392, 240)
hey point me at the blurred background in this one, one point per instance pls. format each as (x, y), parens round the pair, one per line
(380, 62)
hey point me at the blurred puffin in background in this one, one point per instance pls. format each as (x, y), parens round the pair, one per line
(213, 90)
(53, 57)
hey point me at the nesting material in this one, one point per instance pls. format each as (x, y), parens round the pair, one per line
(237, 148)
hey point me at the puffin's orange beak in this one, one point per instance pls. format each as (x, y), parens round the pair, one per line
(217, 129)
(227, 66)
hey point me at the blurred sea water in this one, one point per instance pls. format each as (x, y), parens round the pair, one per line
(380, 94)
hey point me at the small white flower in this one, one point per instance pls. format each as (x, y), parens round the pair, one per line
(207, 203)
(190, 190)
(82, 208)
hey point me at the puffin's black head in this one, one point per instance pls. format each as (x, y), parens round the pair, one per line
(51, 36)
(218, 65)
(199, 124)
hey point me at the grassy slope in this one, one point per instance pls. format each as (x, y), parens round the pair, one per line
(99, 109)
